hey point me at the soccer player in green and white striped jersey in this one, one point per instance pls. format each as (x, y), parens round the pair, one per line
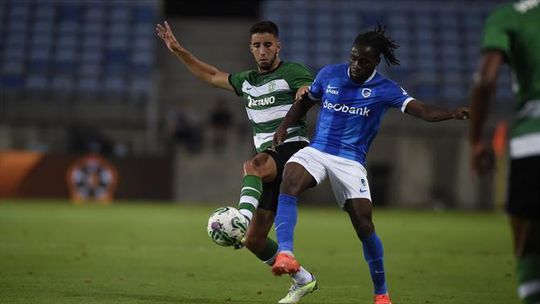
(512, 35)
(268, 93)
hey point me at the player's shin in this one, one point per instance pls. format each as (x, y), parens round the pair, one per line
(269, 253)
(373, 254)
(528, 272)
(250, 194)
(285, 222)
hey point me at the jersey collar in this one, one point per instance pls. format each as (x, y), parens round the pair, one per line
(367, 80)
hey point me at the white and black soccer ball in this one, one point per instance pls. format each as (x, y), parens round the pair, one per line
(227, 226)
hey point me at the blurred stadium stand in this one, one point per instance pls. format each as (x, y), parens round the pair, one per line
(439, 40)
(77, 51)
(77, 72)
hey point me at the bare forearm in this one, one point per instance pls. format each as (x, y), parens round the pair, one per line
(483, 90)
(433, 113)
(297, 111)
(202, 70)
(481, 95)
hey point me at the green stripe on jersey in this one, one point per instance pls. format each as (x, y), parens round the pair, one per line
(268, 97)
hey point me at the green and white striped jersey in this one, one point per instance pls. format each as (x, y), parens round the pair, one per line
(514, 29)
(268, 97)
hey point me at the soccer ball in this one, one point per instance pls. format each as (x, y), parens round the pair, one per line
(226, 226)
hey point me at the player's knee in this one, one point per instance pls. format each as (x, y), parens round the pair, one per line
(288, 187)
(256, 165)
(251, 167)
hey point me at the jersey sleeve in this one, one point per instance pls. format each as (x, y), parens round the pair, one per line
(236, 80)
(301, 76)
(316, 89)
(397, 97)
(496, 30)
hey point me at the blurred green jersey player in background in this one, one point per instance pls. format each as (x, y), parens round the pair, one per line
(512, 36)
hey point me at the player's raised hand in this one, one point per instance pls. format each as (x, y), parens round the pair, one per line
(462, 113)
(279, 137)
(301, 92)
(166, 34)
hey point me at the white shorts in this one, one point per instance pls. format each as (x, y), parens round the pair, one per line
(347, 177)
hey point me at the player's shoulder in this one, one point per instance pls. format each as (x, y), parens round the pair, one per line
(381, 80)
(244, 74)
(292, 68)
(386, 84)
(292, 65)
(505, 13)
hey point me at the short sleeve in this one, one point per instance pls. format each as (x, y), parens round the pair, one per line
(316, 89)
(496, 31)
(236, 80)
(397, 97)
(300, 76)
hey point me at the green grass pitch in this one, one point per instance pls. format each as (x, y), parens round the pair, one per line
(54, 252)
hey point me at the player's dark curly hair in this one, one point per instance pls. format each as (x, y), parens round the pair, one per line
(381, 43)
(264, 27)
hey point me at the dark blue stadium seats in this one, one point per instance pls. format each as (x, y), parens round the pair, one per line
(439, 40)
(93, 47)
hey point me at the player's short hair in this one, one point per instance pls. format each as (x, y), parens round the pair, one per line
(380, 42)
(264, 27)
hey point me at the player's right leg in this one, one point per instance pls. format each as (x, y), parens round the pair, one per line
(524, 208)
(258, 170)
(526, 235)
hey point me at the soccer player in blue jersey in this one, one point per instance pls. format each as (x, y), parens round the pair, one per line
(353, 98)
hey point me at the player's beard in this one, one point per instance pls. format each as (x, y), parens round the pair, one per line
(267, 65)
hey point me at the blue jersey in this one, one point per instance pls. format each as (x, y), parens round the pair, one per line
(351, 113)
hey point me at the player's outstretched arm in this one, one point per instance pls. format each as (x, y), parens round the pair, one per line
(433, 113)
(201, 69)
(297, 111)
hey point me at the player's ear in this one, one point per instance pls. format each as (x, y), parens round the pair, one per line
(278, 46)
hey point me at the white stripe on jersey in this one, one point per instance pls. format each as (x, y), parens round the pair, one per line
(261, 138)
(525, 145)
(269, 87)
(268, 114)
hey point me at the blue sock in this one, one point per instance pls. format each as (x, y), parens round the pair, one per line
(285, 221)
(373, 254)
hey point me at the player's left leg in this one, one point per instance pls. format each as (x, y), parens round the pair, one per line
(351, 188)
(360, 210)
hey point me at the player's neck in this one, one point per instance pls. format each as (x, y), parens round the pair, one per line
(361, 80)
(276, 65)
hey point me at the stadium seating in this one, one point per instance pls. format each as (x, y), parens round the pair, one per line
(79, 49)
(439, 40)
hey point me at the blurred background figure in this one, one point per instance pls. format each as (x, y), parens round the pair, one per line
(221, 122)
(511, 36)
